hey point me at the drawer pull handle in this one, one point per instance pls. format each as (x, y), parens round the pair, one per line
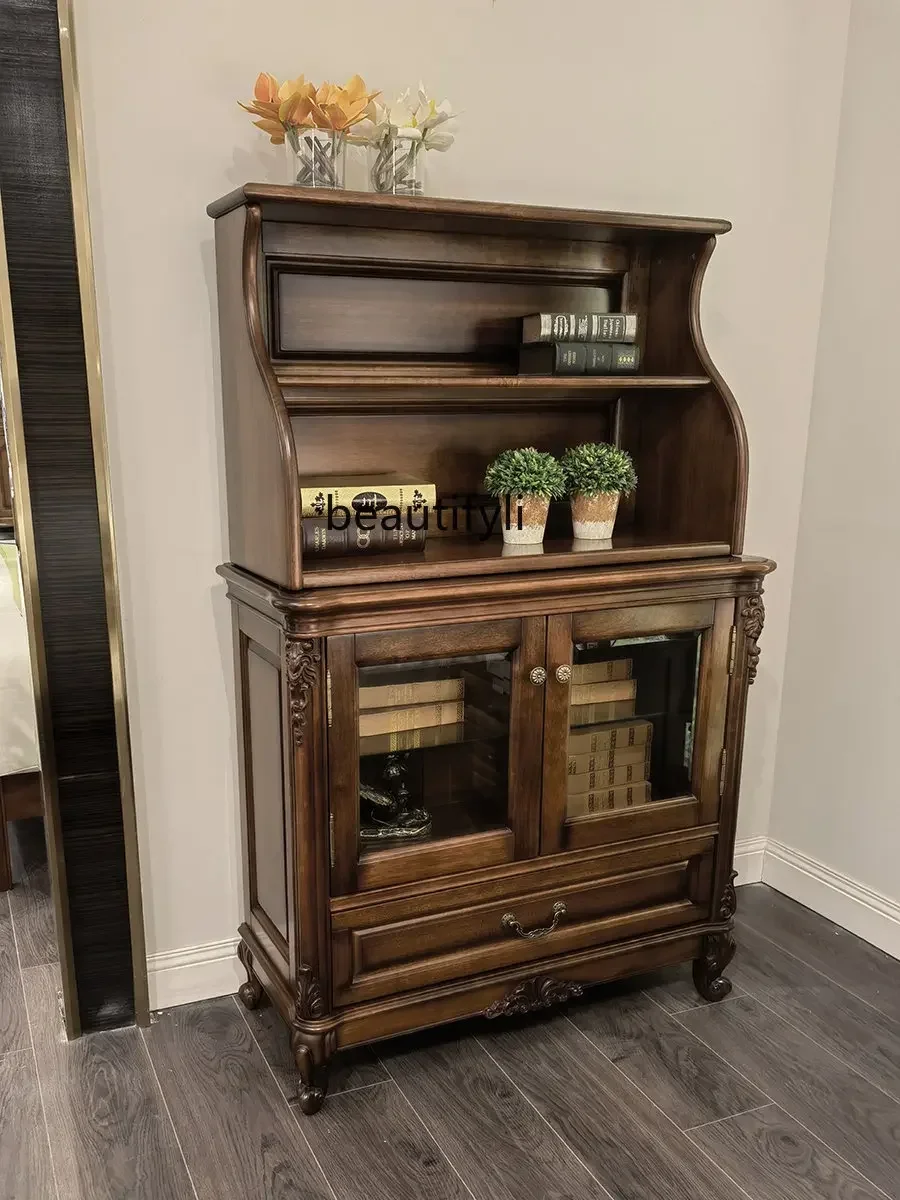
(508, 921)
(564, 673)
(537, 675)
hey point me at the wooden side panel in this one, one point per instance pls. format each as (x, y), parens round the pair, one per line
(258, 438)
(265, 790)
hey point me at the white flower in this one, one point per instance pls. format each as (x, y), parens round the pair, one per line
(410, 116)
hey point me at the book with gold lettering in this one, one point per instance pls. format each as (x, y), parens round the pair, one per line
(607, 799)
(411, 739)
(594, 693)
(419, 716)
(605, 760)
(612, 736)
(592, 714)
(420, 691)
(592, 781)
(601, 672)
(365, 493)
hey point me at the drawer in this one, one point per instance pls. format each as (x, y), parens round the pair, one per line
(388, 948)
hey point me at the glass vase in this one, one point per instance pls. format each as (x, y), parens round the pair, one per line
(397, 165)
(316, 157)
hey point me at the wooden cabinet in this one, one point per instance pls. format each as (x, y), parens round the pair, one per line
(368, 333)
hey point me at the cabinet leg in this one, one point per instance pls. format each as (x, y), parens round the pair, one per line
(251, 991)
(313, 1082)
(718, 951)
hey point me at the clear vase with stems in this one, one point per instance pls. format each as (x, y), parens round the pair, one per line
(315, 157)
(397, 164)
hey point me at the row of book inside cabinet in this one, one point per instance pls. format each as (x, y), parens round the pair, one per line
(608, 760)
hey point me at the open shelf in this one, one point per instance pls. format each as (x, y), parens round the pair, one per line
(452, 556)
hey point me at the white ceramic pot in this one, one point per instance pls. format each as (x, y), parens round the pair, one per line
(523, 519)
(593, 517)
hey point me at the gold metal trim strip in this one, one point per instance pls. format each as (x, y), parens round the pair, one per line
(24, 530)
(84, 255)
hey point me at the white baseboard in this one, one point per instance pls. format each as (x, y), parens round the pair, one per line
(869, 914)
(194, 973)
(749, 854)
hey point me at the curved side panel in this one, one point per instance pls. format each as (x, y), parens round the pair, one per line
(731, 405)
(260, 456)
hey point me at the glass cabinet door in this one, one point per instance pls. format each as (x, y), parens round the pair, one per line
(434, 738)
(635, 721)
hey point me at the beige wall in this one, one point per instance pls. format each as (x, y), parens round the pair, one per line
(712, 107)
(835, 798)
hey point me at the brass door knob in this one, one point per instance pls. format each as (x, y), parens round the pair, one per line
(538, 676)
(563, 674)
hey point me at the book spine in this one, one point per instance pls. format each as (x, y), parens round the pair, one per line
(322, 538)
(602, 672)
(593, 714)
(369, 498)
(396, 720)
(593, 781)
(428, 691)
(592, 693)
(410, 739)
(610, 737)
(624, 359)
(606, 760)
(607, 799)
(580, 327)
(569, 359)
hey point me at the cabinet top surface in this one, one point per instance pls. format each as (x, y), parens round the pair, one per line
(289, 203)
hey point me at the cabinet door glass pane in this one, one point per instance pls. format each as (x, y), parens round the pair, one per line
(632, 713)
(434, 749)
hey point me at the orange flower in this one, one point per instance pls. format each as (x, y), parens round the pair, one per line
(297, 103)
(265, 106)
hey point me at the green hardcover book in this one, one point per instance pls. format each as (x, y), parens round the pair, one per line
(579, 327)
(578, 358)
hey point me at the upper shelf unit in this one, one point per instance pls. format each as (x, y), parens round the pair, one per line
(364, 333)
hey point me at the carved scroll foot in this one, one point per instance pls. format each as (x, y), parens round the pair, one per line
(312, 1085)
(250, 992)
(718, 951)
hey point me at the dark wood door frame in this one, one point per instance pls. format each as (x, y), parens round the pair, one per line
(55, 421)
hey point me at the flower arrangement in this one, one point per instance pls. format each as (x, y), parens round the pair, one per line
(527, 479)
(312, 121)
(596, 475)
(398, 133)
(299, 104)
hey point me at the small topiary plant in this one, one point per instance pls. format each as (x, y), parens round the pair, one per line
(525, 472)
(594, 468)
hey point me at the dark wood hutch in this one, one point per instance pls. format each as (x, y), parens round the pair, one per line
(364, 334)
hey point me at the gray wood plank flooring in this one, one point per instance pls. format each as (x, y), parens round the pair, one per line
(500, 1146)
(29, 899)
(13, 1021)
(371, 1142)
(862, 969)
(26, 1172)
(690, 1083)
(238, 1135)
(788, 1090)
(774, 1158)
(110, 1134)
(848, 1113)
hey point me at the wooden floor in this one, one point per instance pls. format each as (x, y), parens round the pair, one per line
(788, 1090)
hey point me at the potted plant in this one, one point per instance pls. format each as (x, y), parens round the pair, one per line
(597, 474)
(524, 481)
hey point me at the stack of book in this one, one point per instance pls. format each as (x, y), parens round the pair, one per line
(609, 748)
(579, 344)
(365, 515)
(408, 714)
